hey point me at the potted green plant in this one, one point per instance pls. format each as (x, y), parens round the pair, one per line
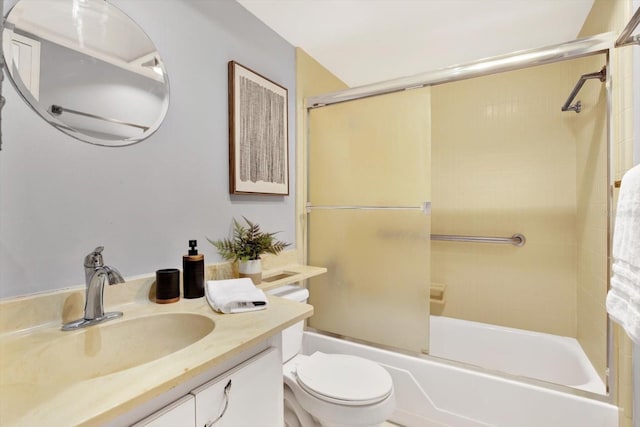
(246, 246)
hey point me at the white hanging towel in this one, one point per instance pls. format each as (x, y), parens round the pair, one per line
(235, 296)
(623, 299)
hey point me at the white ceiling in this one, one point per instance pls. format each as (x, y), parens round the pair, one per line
(368, 41)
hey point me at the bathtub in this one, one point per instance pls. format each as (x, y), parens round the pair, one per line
(546, 357)
(433, 393)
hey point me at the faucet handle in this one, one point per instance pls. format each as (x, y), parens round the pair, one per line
(94, 259)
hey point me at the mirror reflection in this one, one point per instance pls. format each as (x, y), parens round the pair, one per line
(87, 69)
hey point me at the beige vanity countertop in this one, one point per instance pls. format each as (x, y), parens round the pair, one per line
(39, 401)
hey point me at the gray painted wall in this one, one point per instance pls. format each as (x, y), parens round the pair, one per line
(60, 198)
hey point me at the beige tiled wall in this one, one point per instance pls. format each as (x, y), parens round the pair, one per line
(606, 16)
(504, 162)
(625, 376)
(590, 130)
(613, 15)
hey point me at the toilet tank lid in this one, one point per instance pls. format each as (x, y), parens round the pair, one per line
(291, 292)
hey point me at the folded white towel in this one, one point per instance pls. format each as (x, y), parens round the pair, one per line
(235, 296)
(623, 299)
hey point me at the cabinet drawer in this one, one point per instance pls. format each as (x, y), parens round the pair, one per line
(182, 412)
(253, 398)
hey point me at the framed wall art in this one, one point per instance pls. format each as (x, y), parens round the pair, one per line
(258, 134)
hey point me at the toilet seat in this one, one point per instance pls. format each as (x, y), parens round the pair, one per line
(344, 379)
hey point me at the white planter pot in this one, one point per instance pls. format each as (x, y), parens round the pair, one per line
(251, 269)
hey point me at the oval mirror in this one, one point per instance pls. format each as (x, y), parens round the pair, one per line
(87, 69)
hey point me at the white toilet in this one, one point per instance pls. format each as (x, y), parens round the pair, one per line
(330, 390)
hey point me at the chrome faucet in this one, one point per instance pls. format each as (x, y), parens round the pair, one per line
(96, 274)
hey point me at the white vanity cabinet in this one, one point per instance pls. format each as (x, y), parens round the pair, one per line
(253, 398)
(180, 413)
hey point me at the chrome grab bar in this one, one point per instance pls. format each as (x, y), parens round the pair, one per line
(515, 240)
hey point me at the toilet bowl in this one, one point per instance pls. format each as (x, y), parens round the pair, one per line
(338, 390)
(330, 390)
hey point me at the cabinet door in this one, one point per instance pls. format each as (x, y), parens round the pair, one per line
(181, 413)
(253, 398)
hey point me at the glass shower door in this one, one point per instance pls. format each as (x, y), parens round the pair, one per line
(368, 218)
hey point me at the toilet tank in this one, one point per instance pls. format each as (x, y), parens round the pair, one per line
(292, 336)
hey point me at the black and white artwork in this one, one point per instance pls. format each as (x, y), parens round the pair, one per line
(258, 138)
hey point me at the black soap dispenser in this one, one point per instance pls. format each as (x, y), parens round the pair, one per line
(193, 272)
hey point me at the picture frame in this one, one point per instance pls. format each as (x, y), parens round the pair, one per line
(258, 133)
